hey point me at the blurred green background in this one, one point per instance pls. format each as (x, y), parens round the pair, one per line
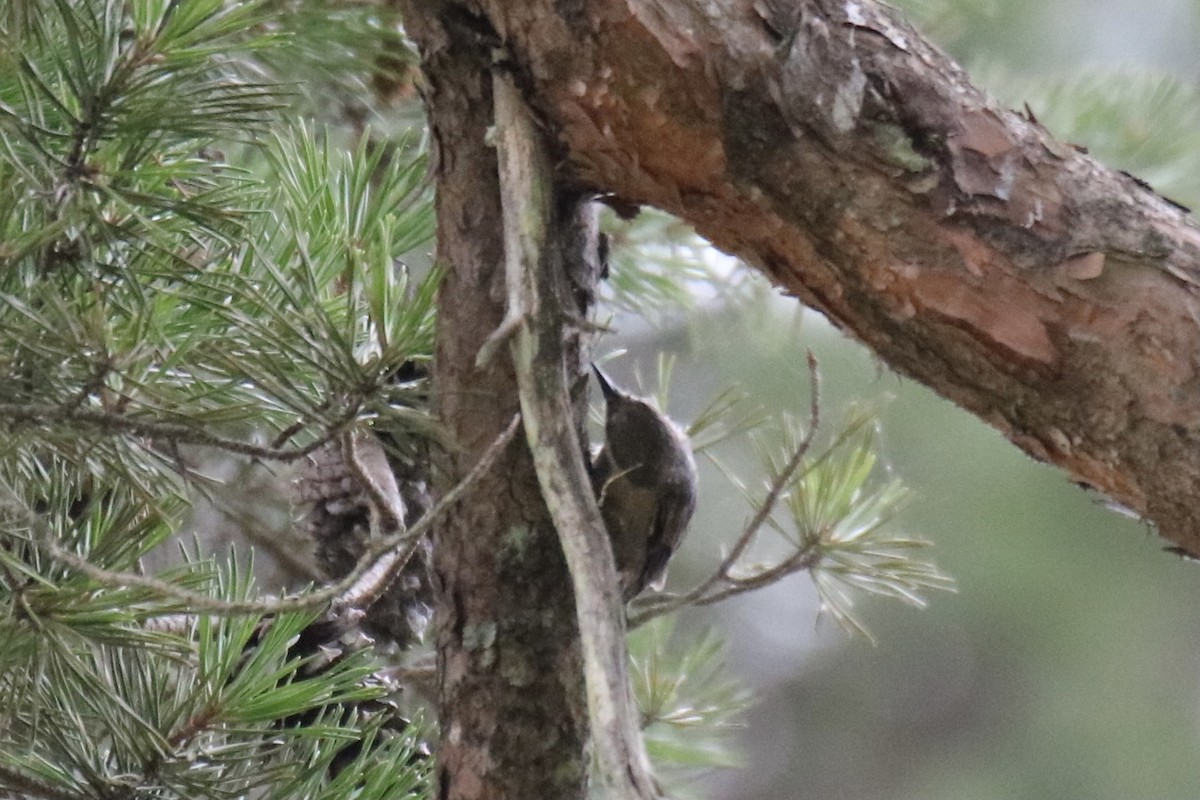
(1065, 665)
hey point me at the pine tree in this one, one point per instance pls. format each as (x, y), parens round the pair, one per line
(171, 311)
(214, 228)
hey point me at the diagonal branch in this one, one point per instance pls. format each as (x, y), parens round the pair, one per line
(354, 587)
(838, 152)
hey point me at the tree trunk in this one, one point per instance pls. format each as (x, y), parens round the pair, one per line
(512, 710)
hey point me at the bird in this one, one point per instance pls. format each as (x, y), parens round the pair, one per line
(645, 481)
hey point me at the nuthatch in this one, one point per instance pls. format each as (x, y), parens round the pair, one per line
(645, 483)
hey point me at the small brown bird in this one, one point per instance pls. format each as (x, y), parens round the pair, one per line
(645, 483)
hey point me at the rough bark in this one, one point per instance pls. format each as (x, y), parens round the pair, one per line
(832, 148)
(511, 704)
(552, 254)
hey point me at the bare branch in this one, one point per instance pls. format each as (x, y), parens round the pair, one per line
(622, 769)
(174, 432)
(342, 593)
(803, 559)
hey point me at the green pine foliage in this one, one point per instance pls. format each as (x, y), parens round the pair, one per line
(691, 707)
(658, 268)
(160, 300)
(838, 511)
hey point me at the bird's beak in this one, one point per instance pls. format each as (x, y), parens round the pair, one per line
(606, 385)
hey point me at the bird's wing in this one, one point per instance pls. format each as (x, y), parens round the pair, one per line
(671, 520)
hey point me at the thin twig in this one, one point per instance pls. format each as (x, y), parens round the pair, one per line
(299, 425)
(169, 431)
(504, 331)
(29, 786)
(799, 561)
(333, 593)
(702, 593)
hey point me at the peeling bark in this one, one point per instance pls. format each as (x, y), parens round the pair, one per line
(832, 148)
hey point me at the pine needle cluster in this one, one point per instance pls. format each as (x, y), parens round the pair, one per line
(183, 274)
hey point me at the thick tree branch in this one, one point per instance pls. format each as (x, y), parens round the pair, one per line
(831, 147)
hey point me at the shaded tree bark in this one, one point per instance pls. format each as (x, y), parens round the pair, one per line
(833, 149)
(511, 705)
